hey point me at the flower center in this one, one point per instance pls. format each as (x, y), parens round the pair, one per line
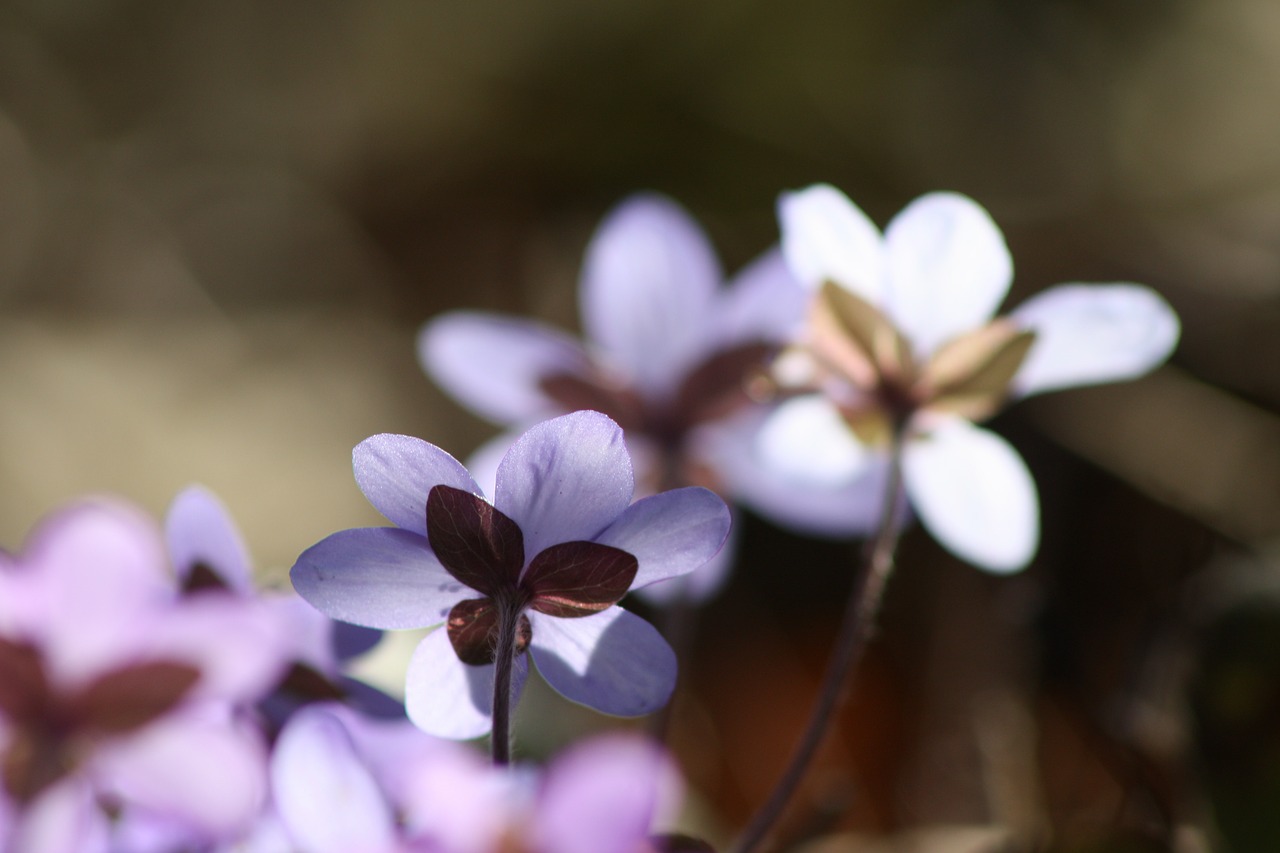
(484, 549)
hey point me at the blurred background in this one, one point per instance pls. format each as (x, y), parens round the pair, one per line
(221, 225)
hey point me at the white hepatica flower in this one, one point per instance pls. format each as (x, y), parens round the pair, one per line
(902, 339)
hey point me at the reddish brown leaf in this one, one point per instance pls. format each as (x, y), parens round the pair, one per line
(574, 393)
(202, 578)
(473, 631)
(24, 689)
(717, 386)
(675, 843)
(477, 544)
(579, 578)
(132, 696)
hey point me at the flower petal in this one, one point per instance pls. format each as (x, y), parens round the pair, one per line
(648, 283)
(603, 795)
(324, 792)
(199, 532)
(396, 472)
(671, 533)
(763, 302)
(700, 585)
(202, 769)
(949, 269)
(447, 698)
(806, 440)
(974, 494)
(613, 661)
(379, 577)
(492, 364)
(567, 478)
(1093, 333)
(826, 237)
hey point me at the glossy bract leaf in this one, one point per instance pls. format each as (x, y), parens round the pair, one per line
(476, 543)
(579, 578)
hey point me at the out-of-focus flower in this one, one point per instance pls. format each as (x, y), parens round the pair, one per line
(901, 340)
(209, 557)
(560, 543)
(669, 354)
(116, 700)
(344, 784)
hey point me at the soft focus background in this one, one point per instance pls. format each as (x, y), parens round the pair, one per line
(222, 223)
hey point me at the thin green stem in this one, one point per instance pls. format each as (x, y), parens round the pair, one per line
(504, 666)
(859, 621)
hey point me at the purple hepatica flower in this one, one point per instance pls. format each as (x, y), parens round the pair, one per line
(561, 543)
(113, 693)
(342, 784)
(902, 339)
(209, 558)
(668, 354)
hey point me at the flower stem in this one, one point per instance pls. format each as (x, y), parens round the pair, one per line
(504, 661)
(859, 620)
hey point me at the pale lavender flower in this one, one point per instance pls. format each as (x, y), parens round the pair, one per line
(902, 338)
(668, 354)
(343, 784)
(561, 542)
(113, 693)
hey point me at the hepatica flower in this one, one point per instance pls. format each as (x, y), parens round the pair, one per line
(557, 547)
(902, 342)
(668, 352)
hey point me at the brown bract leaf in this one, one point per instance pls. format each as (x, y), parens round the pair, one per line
(575, 392)
(473, 631)
(676, 843)
(202, 578)
(128, 698)
(718, 386)
(24, 688)
(579, 578)
(854, 338)
(476, 543)
(970, 375)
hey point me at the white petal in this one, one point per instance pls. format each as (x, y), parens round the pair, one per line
(648, 282)
(1093, 333)
(949, 269)
(825, 237)
(612, 661)
(807, 441)
(447, 698)
(492, 364)
(975, 495)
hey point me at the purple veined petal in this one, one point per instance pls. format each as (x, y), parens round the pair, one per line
(567, 478)
(763, 302)
(700, 585)
(379, 577)
(648, 283)
(614, 661)
(484, 460)
(949, 269)
(202, 769)
(449, 699)
(325, 795)
(807, 441)
(604, 795)
(64, 819)
(396, 472)
(840, 510)
(1087, 334)
(974, 493)
(671, 533)
(492, 364)
(826, 237)
(198, 531)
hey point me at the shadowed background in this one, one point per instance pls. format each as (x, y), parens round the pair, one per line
(221, 225)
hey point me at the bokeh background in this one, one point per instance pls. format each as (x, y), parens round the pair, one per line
(221, 225)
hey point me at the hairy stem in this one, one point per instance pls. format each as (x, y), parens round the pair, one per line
(504, 667)
(855, 630)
